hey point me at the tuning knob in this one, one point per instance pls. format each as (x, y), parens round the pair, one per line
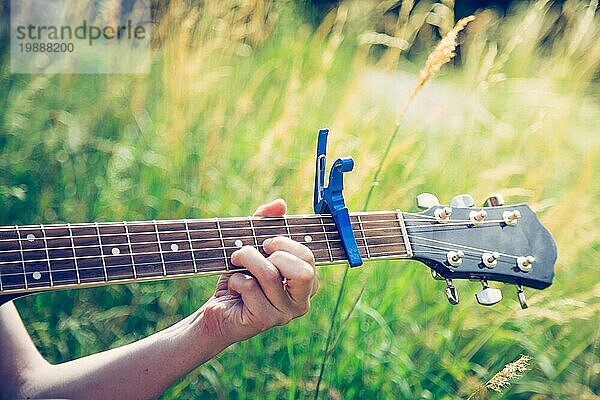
(494, 200)
(488, 296)
(451, 293)
(427, 200)
(462, 200)
(521, 297)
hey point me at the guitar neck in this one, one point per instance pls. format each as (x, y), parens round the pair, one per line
(45, 257)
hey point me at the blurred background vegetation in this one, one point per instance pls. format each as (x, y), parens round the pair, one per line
(227, 120)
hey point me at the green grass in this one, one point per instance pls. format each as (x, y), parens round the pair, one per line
(228, 119)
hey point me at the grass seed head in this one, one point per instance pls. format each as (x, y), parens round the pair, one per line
(508, 374)
(442, 54)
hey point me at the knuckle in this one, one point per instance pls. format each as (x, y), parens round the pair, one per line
(249, 284)
(303, 309)
(264, 324)
(306, 273)
(283, 319)
(272, 275)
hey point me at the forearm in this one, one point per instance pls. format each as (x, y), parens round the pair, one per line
(140, 370)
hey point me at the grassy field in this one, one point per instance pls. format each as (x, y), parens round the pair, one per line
(228, 119)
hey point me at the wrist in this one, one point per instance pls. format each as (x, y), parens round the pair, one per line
(194, 341)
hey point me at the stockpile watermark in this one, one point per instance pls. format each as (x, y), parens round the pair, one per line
(75, 36)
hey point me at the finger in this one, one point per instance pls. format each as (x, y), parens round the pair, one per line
(276, 208)
(266, 273)
(299, 276)
(281, 243)
(253, 297)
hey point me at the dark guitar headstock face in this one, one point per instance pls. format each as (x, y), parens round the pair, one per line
(495, 243)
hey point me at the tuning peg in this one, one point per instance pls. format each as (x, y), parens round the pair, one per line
(488, 296)
(451, 293)
(455, 257)
(462, 200)
(427, 200)
(521, 296)
(511, 217)
(494, 200)
(525, 263)
(490, 260)
(442, 214)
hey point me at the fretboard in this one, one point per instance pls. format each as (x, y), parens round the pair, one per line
(43, 257)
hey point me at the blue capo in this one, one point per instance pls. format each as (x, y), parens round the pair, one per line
(330, 200)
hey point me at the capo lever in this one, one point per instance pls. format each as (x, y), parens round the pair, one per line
(330, 199)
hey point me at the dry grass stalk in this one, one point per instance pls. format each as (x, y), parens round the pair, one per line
(442, 54)
(504, 378)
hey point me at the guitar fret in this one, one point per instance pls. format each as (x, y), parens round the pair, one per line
(174, 242)
(22, 256)
(287, 227)
(326, 240)
(364, 238)
(74, 255)
(405, 239)
(222, 244)
(253, 232)
(130, 250)
(189, 238)
(47, 256)
(162, 258)
(101, 251)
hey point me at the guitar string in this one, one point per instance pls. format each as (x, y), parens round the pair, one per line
(179, 251)
(186, 240)
(169, 262)
(73, 248)
(167, 241)
(420, 218)
(343, 258)
(211, 230)
(461, 246)
(9, 228)
(423, 217)
(229, 247)
(114, 278)
(436, 226)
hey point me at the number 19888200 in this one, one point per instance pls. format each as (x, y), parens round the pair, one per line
(47, 47)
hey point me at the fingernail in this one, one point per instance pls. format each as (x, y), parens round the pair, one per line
(267, 242)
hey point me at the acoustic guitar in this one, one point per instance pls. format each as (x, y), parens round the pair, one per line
(503, 243)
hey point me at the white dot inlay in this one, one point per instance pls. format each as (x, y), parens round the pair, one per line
(115, 251)
(31, 237)
(36, 275)
(308, 238)
(174, 247)
(238, 243)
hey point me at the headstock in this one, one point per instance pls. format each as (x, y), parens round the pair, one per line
(491, 243)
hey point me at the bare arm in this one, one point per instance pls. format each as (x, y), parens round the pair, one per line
(241, 307)
(142, 369)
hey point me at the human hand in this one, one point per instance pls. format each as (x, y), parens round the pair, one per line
(278, 290)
